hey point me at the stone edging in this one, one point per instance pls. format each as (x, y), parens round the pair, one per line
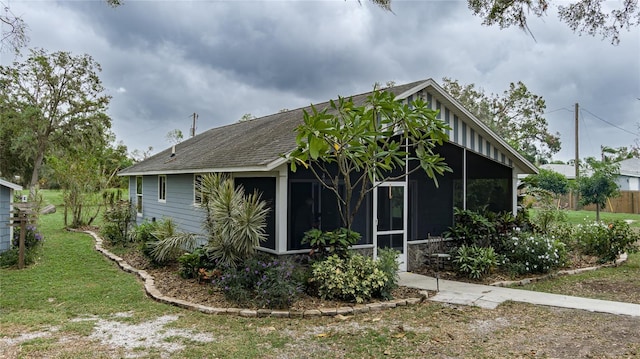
(525, 281)
(153, 292)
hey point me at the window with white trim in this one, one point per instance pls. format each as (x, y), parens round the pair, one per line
(162, 188)
(139, 195)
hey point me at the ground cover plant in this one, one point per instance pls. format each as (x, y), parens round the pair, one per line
(74, 303)
(544, 243)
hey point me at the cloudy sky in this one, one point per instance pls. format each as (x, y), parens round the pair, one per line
(164, 60)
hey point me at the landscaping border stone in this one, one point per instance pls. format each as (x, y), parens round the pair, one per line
(153, 292)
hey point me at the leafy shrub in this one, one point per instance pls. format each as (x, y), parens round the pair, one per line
(192, 263)
(388, 264)
(10, 257)
(546, 218)
(475, 262)
(117, 218)
(533, 253)
(470, 227)
(269, 283)
(32, 242)
(355, 278)
(32, 239)
(143, 232)
(331, 242)
(606, 241)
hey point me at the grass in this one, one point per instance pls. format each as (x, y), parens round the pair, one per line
(618, 284)
(71, 280)
(579, 217)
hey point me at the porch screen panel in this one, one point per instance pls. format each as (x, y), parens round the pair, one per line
(488, 185)
(431, 207)
(266, 187)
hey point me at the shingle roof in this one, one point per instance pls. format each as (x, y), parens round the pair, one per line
(258, 144)
(630, 167)
(10, 185)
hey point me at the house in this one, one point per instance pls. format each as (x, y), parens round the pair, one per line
(6, 207)
(569, 171)
(629, 177)
(408, 213)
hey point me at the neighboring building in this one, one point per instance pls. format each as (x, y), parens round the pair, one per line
(569, 171)
(408, 212)
(629, 178)
(6, 207)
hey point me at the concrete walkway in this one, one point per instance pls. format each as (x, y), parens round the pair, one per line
(490, 297)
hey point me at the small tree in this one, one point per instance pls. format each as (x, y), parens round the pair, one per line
(597, 183)
(366, 144)
(551, 181)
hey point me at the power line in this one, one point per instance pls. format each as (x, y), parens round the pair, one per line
(610, 123)
(558, 109)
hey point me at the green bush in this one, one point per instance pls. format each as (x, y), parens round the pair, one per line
(9, 258)
(191, 263)
(606, 241)
(32, 243)
(143, 232)
(533, 253)
(471, 228)
(117, 218)
(475, 262)
(355, 278)
(264, 283)
(331, 242)
(546, 218)
(388, 264)
(32, 238)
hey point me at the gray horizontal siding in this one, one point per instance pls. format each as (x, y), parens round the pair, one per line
(178, 206)
(5, 207)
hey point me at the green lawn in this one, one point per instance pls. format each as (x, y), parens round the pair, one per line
(579, 217)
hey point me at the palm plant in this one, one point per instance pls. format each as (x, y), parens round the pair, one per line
(234, 224)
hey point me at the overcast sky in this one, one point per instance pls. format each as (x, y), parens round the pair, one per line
(164, 60)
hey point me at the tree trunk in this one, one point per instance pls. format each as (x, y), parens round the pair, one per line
(35, 175)
(597, 212)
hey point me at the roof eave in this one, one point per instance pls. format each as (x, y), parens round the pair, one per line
(271, 166)
(13, 186)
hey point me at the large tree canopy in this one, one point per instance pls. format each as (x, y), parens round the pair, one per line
(582, 16)
(517, 116)
(51, 102)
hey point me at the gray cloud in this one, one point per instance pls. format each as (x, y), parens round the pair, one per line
(225, 59)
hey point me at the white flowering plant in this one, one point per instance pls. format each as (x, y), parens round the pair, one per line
(606, 241)
(533, 253)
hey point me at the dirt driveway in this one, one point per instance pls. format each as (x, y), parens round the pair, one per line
(428, 329)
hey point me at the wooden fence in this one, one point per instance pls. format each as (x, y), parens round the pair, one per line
(627, 202)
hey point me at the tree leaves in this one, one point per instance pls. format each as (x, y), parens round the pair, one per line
(367, 143)
(54, 103)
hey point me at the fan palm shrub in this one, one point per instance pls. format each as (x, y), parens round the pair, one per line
(234, 224)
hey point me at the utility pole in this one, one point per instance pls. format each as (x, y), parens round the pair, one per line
(577, 160)
(193, 126)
